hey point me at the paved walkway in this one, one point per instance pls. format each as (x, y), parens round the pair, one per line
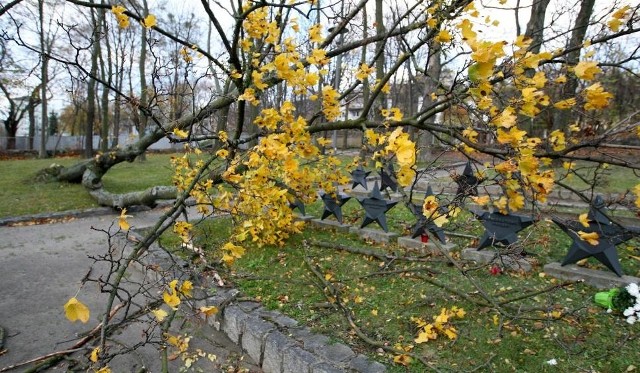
(41, 267)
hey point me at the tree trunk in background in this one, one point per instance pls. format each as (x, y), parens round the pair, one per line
(106, 76)
(91, 91)
(535, 26)
(143, 79)
(44, 70)
(379, 58)
(433, 72)
(562, 118)
(119, 84)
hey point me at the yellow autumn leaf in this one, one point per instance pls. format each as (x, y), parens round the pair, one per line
(122, 220)
(402, 359)
(443, 36)
(364, 71)
(186, 288)
(584, 220)
(171, 299)
(94, 354)
(75, 310)
(495, 319)
(591, 237)
(556, 314)
(180, 133)
(208, 311)
(160, 314)
(565, 104)
(149, 21)
(374, 312)
(222, 153)
(586, 70)
(481, 200)
(596, 97)
(104, 370)
(451, 333)
(636, 191)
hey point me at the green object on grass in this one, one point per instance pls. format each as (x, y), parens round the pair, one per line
(605, 298)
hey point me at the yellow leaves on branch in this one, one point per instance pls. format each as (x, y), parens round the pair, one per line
(172, 296)
(443, 36)
(596, 97)
(118, 12)
(330, 103)
(364, 71)
(149, 21)
(636, 191)
(618, 17)
(183, 230)
(231, 252)
(587, 70)
(557, 140)
(315, 33)
(75, 310)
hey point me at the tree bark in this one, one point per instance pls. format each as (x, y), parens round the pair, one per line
(535, 26)
(44, 70)
(91, 90)
(562, 118)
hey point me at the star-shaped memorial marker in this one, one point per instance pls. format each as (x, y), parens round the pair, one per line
(424, 225)
(609, 235)
(359, 177)
(297, 204)
(386, 181)
(333, 205)
(467, 182)
(501, 228)
(375, 208)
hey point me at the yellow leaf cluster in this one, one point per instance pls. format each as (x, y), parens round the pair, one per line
(441, 325)
(596, 97)
(443, 36)
(149, 21)
(394, 114)
(636, 191)
(364, 71)
(330, 103)
(617, 18)
(587, 70)
(118, 12)
(231, 252)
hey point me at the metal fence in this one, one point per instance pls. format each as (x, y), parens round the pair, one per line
(65, 143)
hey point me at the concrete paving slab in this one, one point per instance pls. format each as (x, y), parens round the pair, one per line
(42, 266)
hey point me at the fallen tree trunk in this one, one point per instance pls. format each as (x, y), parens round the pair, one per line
(147, 197)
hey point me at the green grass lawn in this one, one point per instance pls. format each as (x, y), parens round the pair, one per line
(560, 322)
(20, 194)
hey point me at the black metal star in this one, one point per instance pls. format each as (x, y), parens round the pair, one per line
(297, 204)
(359, 177)
(467, 182)
(609, 236)
(424, 225)
(501, 228)
(375, 208)
(386, 181)
(333, 205)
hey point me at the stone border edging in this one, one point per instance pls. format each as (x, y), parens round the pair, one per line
(276, 343)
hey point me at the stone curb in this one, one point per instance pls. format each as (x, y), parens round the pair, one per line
(276, 343)
(86, 213)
